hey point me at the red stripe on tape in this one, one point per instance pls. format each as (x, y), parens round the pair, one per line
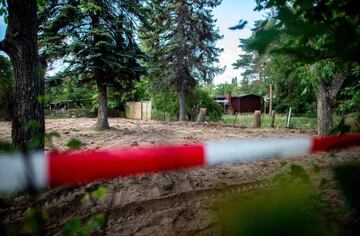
(334, 142)
(86, 166)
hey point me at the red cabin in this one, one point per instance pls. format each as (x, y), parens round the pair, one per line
(244, 103)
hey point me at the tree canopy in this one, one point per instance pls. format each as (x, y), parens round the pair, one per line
(181, 46)
(316, 29)
(318, 39)
(96, 40)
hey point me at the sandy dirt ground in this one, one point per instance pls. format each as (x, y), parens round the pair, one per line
(173, 203)
(124, 132)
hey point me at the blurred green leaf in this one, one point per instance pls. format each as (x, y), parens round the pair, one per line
(263, 38)
(34, 142)
(285, 210)
(316, 169)
(99, 193)
(72, 227)
(75, 227)
(42, 98)
(341, 128)
(34, 221)
(32, 124)
(52, 134)
(348, 176)
(297, 171)
(95, 223)
(74, 144)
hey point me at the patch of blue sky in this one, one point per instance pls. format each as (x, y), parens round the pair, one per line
(2, 28)
(2, 31)
(228, 14)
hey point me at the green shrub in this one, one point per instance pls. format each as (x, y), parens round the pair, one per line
(200, 98)
(166, 105)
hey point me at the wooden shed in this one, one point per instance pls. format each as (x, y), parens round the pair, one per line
(244, 103)
(138, 110)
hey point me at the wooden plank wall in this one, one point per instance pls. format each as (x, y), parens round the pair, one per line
(138, 110)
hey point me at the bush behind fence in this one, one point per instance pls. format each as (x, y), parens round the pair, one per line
(79, 112)
(69, 113)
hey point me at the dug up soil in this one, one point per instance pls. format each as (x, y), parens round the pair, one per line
(172, 203)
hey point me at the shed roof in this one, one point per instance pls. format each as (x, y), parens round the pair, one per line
(237, 96)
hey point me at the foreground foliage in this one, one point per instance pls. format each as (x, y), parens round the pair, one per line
(296, 205)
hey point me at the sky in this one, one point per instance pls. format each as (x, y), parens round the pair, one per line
(228, 14)
(2, 30)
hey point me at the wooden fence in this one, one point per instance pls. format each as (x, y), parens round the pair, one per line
(138, 110)
(69, 113)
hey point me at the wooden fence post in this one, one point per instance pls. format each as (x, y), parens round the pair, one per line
(288, 119)
(235, 116)
(272, 118)
(202, 115)
(257, 121)
(271, 99)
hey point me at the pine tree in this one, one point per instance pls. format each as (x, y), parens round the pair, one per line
(252, 63)
(181, 46)
(96, 40)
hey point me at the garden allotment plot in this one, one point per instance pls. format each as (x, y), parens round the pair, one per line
(180, 202)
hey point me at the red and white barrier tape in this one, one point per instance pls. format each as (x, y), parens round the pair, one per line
(59, 168)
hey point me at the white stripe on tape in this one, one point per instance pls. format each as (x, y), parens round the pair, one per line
(248, 150)
(13, 173)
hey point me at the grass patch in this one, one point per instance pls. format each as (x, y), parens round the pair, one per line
(299, 122)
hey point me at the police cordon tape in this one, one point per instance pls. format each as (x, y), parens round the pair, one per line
(75, 167)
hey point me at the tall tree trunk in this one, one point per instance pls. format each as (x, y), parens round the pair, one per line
(324, 113)
(182, 106)
(20, 44)
(102, 117)
(325, 100)
(181, 67)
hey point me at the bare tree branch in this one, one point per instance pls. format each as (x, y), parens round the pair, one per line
(336, 84)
